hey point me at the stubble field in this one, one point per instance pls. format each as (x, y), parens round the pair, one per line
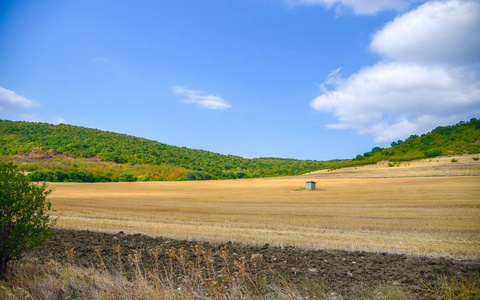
(433, 215)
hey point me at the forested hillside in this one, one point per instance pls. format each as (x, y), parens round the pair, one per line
(72, 153)
(117, 154)
(461, 138)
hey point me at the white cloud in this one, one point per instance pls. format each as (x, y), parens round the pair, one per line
(393, 100)
(421, 83)
(11, 102)
(361, 7)
(436, 32)
(199, 98)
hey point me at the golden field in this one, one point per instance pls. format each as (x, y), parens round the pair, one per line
(437, 216)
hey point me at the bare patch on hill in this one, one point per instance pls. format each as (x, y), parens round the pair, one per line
(38, 154)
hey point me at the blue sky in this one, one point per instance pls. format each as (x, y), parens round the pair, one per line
(306, 79)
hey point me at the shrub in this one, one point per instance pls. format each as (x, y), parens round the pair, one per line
(454, 160)
(46, 175)
(127, 177)
(24, 219)
(79, 176)
(475, 158)
(143, 178)
(60, 176)
(197, 175)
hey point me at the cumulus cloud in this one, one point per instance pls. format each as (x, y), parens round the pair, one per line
(436, 32)
(12, 102)
(393, 100)
(421, 82)
(199, 98)
(361, 7)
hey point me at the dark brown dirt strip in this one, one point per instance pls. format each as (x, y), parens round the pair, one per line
(338, 270)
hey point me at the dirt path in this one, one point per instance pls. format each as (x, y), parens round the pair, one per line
(338, 270)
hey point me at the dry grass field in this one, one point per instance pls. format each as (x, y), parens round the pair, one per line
(463, 165)
(435, 215)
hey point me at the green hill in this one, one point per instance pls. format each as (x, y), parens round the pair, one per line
(72, 153)
(104, 156)
(461, 138)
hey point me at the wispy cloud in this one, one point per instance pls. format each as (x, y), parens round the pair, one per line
(429, 75)
(360, 7)
(22, 108)
(101, 59)
(200, 98)
(12, 102)
(58, 120)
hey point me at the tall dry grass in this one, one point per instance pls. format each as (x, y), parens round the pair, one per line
(239, 278)
(198, 279)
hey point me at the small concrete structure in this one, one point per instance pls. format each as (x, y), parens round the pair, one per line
(310, 185)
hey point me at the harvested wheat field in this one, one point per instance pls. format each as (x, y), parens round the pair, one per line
(455, 165)
(434, 216)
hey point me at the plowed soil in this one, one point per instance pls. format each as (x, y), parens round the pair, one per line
(337, 270)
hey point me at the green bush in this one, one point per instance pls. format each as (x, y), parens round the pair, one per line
(79, 176)
(60, 176)
(127, 177)
(197, 175)
(48, 175)
(24, 219)
(143, 178)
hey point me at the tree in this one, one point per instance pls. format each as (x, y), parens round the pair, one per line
(24, 219)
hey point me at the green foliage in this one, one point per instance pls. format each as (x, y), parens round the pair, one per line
(48, 175)
(24, 219)
(197, 175)
(60, 176)
(133, 154)
(127, 177)
(376, 149)
(79, 176)
(99, 171)
(433, 152)
(143, 178)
